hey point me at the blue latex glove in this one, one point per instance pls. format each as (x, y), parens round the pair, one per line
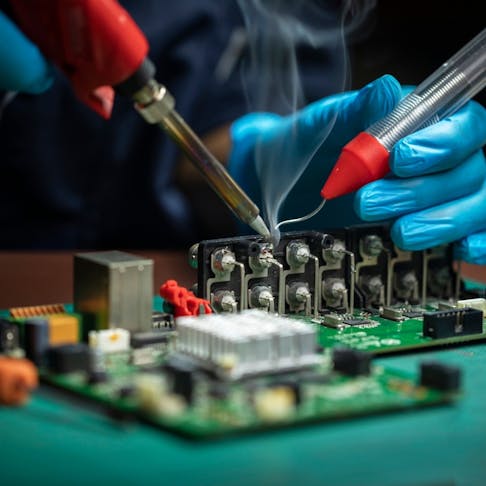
(22, 66)
(472, 249)
(437, 192)
(270, 149)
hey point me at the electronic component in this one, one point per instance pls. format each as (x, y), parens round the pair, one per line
(333, 320)
(404, 277)
(63, 329)
(439, 279)
(183, 375)
(335, 277)
(110, 340)
(457, 322)
(182, 301)
(149, 338)
(251, 342)
(36, 339)
(478, 303)
(351, 362)
(37, 310)
(163, 321)
(371, 246)
(393, 314)
(39, 333)
(9, 336)
(274, 403)
(248, 272)
(97, 370)
(68, 358)
(18, 377)
(115, 289)
(440, 376)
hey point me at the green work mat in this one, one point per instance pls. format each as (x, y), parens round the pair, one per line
(59, 440)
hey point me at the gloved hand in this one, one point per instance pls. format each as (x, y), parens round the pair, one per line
(22, 66)
(274, 150)
(437, 190)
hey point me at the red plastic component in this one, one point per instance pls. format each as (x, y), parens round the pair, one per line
(362, 161)
(184, 301)
(95, 42)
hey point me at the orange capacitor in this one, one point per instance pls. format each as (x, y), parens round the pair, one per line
(63, 329)
(17, 378)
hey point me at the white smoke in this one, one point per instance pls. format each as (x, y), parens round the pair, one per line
(276, 30)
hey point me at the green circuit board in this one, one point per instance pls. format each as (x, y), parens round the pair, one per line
(381, 336)
(239, 408)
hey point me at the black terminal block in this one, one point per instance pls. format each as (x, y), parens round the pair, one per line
(440, 376)
(450, 323)
(351, 362)
(9, 336)
(68, 358)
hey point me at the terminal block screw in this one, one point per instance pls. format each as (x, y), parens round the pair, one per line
(261, 297)
(372, 245)
(223, 261)
(336, 253)
(225, 301)
(298, 293)
(298, 253)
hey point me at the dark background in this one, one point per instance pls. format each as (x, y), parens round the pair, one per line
(410, 39)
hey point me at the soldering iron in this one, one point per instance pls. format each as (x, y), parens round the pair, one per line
(101, 49)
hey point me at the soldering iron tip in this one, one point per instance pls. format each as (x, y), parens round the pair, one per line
(260, 227)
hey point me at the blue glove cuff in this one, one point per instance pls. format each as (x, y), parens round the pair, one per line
(22, 66)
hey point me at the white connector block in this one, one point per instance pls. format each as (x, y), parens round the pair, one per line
(110, 340)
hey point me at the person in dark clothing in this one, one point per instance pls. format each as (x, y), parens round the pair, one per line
(73, 180)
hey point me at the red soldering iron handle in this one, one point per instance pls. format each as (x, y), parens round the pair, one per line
(95, 42)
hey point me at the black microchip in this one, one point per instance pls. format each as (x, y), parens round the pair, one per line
(440, 376)
(351, 362)
(356, 322)
(149, 338)
(9, 336)
(68, 358)
(412, 314)
(456, 322)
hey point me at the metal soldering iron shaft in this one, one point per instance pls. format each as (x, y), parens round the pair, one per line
(156, 105)
(214, 172)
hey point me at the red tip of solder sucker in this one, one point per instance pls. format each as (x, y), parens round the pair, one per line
(362, 160)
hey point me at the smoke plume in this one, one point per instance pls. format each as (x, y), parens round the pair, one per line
(278, 33)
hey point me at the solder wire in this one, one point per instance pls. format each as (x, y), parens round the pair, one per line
(303, 218)
(440, 95)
